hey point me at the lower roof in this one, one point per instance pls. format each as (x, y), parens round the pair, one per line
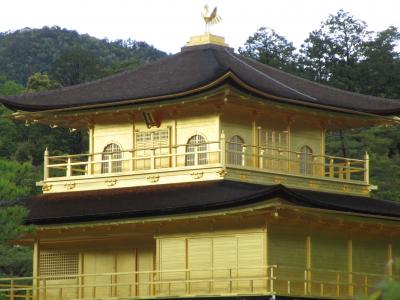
(161, 200)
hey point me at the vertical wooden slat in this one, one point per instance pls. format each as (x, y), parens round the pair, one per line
(308, 263)
(350, 268)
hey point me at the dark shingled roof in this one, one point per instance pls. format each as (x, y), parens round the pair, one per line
(194, 68)
(185, 198)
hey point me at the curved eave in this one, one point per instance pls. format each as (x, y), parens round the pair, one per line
(229, 78)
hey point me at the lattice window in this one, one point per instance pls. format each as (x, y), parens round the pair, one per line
(59, 265)
(152, 139)
(277, 139)
(235, 148)
(110, 153)
(196, 143)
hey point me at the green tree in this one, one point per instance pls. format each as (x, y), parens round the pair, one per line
(15, 261)
(9, 87)
(332, 53)
(39, 82)
(270, 48)
(16, 182)
(380, 67)
(76, 65)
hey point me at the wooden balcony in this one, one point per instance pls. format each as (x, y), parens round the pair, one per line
(192, 283)
(206, 161)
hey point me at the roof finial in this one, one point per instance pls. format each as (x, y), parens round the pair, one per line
(210, 19)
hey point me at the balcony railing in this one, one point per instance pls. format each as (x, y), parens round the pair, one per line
(262, 280)
(222, 153)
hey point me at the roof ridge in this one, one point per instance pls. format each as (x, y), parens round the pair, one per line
(393, 100)
(270, 78)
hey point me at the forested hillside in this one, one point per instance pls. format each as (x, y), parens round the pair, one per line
(28, 51)
(342, 53)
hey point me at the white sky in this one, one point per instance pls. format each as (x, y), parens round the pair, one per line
(168, 24)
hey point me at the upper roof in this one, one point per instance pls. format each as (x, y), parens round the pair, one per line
(158, 200)
(199, 68)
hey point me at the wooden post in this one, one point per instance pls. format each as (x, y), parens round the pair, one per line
(46, 164)
(338, 284)
(89, 165)
(350, 268)
(308, 263)
(12, 290)
(36, 262)
(271, 280)
(348, 173)
(69, 168)
(331, 168)
(244, 149)
(258, 145)
(366, 167)
(222, 142)
(365, 285)
(261, 163)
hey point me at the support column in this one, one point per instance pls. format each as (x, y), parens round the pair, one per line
(36, 268)
(308, 264)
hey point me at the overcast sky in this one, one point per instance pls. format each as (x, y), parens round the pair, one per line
(168, 24)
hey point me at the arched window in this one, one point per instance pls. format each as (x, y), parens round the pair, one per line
(306, 160)
(235, 150)
(110, 153)
(196, 144)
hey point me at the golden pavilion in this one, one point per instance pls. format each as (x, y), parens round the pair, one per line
(206, 177)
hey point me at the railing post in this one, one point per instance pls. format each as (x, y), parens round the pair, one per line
(338, 284)
(348, 173)
(12, 289)
(305, 282)
(331, 168)
(89, 165)
(45, 164)
(261, 159)
(174, 152)
(223, 148)
(244, 149)
(366, 167)
(69, 167)
(271, 280)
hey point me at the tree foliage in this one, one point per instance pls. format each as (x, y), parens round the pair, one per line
(28, 51)
(270, 48)
(39, 82)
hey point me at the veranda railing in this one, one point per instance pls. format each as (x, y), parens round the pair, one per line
(262, 280)
(220, 152)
